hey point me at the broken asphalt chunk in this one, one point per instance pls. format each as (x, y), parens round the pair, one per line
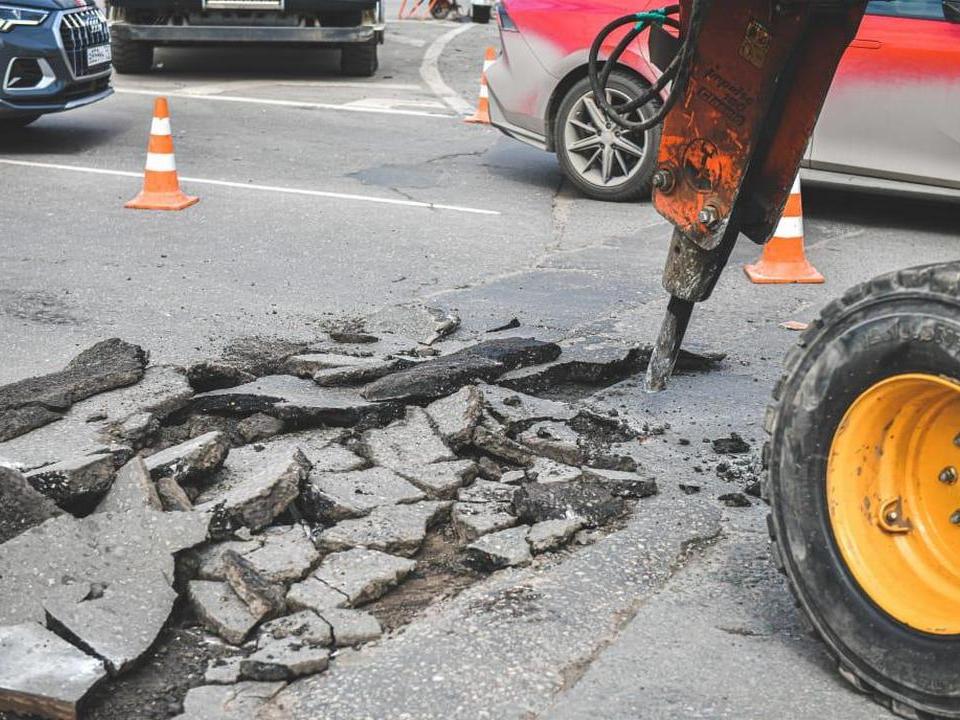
(622, 484)
(474, 520)
(264, 598)
(315, 595)
(132, 489)
(294, 400)
(42, 674)
(222, 611)
(733, 445)
(407, 442)
(552, 534)
(105, 579)
(506, 548)
(172, 495)
(75, 483)
(735, 500)
(21, 507)
(284, 659)
(397, 529)
(432, 379)
(191, 460)
(242, 701)
(536, 502)
(352, 627)
(330, 497)
(443, 479)
(34, 402)
(305, 625)
(457, 415)
(87, 428)
(286, 553)
(444, 375)
(361, 574)
(253, 487)
(496, 443)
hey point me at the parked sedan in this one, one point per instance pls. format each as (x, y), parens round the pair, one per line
(54, 56)
(891, 121)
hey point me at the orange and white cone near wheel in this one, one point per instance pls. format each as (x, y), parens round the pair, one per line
(783, 259)
(161, 186)
(482, 113)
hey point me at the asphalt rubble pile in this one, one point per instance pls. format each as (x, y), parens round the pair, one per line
(276, 491)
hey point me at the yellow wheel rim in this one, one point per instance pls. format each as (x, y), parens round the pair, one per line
(893, 493)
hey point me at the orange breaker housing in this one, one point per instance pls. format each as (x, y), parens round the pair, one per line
(732, 145)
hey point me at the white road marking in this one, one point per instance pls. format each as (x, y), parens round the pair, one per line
(430, 72)
(262, 188)
(287, 103)
(390, 103)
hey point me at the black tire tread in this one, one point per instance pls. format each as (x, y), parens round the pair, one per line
(359, 60)
(131, 57)
(941, 279)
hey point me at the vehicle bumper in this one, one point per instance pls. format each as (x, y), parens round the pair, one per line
(212, 35)
(518, 86)
(499, 120)
(61, 88)
(43, 106)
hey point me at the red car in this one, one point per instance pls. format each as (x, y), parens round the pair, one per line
(891, 122)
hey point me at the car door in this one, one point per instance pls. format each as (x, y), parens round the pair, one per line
(893, 110)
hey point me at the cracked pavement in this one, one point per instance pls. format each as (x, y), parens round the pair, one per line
(622, 629)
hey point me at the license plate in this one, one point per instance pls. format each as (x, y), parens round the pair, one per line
(98, 55)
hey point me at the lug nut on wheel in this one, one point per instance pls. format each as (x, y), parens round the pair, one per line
(948, 476)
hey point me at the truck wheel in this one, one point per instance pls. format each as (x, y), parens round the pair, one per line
(15, 123)
(604, 165)
(863, 485)
(481, 14)
(130, 56)
(359, 60)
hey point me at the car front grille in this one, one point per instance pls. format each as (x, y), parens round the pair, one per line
(79, 31)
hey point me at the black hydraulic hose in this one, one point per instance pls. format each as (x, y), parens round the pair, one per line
(677, 72)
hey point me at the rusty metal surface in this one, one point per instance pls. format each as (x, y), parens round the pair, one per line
(758, 79)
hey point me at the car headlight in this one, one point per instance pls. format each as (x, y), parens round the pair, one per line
(11, 16)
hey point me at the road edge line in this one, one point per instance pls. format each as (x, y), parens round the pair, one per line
(430, 72)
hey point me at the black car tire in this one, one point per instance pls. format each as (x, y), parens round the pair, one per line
(903, 322)
(131, 57)
(359, 60)
(636, 186)
(481, 14)
(15, 123)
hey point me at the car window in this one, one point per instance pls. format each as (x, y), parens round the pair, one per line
(923, 9)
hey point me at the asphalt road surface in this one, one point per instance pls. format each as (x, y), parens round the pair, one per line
(325, 199)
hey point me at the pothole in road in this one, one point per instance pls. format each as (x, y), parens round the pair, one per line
(314, 496)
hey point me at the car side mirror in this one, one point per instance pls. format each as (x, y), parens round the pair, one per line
(951, 10)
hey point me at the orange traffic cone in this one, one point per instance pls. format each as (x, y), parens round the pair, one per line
(161, 187)
(482, 113)
(783, 259)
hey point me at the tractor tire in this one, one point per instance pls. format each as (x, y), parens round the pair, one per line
(359, 60)
(862, 483)
(131, 57)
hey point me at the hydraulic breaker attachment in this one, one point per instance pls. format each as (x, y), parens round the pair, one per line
(752, 76)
